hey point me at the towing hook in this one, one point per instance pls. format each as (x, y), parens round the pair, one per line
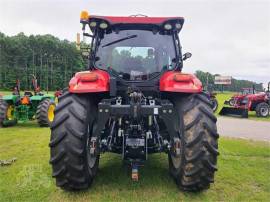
(134, 172)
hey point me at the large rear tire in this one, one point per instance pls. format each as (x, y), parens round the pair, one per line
(7, 114)
(72, 165)
(45, 113)
(194, 168)
(3, 112)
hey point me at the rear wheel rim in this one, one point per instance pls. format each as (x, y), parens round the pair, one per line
(10, 112)
(91, 159)
(56, 100)
(176, 161)
(51, 112)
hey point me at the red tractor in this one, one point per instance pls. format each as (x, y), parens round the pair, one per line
(134, 100)
(242, 104)
(240, 96)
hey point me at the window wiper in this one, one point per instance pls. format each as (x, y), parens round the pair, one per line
(119, 40)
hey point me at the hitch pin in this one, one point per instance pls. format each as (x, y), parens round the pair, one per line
(135, 173)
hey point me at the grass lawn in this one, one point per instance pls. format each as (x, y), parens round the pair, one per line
(243, 175)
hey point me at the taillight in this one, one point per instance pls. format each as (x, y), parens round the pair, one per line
(88, 77)
(179, 77)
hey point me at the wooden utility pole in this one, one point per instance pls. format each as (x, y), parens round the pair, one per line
(41, 68)
(51, 81)
(65, 71)
(1, 80)
(47, 82)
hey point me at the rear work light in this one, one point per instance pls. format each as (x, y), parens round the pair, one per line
(103, 25)
(178, 26)
(93, 24)
(88, 77)
(168, 26)
(182, 77)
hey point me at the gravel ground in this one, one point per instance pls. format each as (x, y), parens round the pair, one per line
(244, 128)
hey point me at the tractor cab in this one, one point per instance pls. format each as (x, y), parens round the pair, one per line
(134, 52)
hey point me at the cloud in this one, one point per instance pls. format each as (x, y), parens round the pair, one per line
(228, 37)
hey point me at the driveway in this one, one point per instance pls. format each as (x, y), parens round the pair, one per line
(244, 128)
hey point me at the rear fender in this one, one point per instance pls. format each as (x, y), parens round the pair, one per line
(11, 99)
(39, 98)
(98, 82)
(171, 82)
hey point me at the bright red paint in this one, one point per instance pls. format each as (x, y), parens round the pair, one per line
(168, 84)
(136, 20)
(252, 101)
(76, 85)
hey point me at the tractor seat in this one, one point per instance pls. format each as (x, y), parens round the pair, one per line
(28, 94)
(25, 100)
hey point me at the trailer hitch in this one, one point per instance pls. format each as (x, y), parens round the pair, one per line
(134, 172)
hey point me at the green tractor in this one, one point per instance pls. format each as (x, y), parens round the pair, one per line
(29, 106)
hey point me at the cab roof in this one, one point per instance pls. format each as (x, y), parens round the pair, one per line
(137, 21)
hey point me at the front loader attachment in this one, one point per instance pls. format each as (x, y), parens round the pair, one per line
(235, 112)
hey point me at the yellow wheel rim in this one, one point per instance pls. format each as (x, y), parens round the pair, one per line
(56, 100)
(10, 112)
(51, 112)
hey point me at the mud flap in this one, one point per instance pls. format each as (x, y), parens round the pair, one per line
(236, 112)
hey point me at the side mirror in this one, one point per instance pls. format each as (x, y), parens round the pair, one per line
(186, 56)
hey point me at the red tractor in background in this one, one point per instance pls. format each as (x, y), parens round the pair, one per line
(240, 96)
(134, 100)
(249, 100)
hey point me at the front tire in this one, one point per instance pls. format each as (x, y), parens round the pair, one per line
(214, 103)
(194, 168)
(232, 102)
(262, 110)
(73, 166)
